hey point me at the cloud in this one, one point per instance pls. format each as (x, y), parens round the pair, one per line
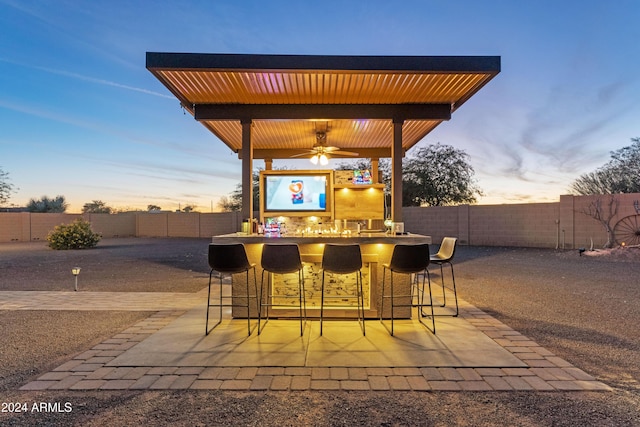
(565, 129)
(105, 82)
(45, 114)
(555, 141)
(111, 129)
(185, 173)
(89, 79)
(62, 20)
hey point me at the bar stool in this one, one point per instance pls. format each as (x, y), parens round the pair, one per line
(229, 259)
(343, 259)
(281, 259)
(445, 256)
(408, 259)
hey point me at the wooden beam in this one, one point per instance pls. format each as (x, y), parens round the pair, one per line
(203, 112)
(363, 153)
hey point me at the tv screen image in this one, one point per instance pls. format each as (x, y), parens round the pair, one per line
(362, 176)
(295, 193)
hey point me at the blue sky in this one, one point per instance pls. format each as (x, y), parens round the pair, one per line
(80, 115)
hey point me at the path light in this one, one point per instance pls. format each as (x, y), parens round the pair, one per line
(76, 271)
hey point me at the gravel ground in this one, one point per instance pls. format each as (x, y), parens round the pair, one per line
(585, 309)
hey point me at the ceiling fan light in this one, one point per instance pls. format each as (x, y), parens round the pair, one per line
(314, 159)
(324, 160)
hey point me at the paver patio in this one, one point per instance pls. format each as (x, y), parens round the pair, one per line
(168, 350)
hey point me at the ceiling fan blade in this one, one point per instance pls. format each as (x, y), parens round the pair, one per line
(346, 153)
(308, 153)
(330, 149)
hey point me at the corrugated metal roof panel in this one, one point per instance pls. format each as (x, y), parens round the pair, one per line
(202, 87)
(295, 80)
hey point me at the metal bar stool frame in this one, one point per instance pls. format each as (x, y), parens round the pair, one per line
(445, 256)
(281, 259)
(343, 259)
(412, 260)
(229, 259)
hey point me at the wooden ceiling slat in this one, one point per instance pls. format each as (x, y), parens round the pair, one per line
(347, 81)
(322, 88)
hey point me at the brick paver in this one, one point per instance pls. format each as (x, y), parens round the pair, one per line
(87, 371)
(301, 382)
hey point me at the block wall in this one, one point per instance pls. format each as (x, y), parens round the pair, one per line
(530, 225)
(120, 225)
(563, 225)
(43, 223)
(181, 224)
(213, 224)
(152, 224)
(14, 227)
(587, 229)
(437, 221)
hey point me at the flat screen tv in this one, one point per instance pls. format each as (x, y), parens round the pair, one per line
(296, 192)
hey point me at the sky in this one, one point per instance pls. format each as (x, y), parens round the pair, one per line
(81, 116)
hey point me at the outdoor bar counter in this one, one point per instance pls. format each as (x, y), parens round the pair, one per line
(376, 248)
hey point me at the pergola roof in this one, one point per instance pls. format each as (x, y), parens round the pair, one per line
(355, 97)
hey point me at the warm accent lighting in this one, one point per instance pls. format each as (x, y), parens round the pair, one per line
(75, 271)
(321, 158)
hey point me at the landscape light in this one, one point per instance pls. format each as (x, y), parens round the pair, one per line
(75, 271)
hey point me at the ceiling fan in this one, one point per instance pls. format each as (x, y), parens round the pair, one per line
(320, 151)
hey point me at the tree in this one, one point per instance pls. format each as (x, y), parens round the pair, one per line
(96, 206)
(48, 205)
(435, 175)
(604, 209)
(229, 204)
(438, 175)
(233, 202)
(6, 187)
(153, 208)
(620, 175)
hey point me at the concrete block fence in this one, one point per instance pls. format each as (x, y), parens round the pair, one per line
(561, 224)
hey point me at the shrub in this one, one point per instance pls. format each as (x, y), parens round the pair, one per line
(77, 235)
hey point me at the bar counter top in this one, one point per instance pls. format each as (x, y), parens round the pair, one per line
(362, 238)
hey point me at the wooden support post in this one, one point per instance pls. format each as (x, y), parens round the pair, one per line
(396, 171)
(247, 170)
(374, 170)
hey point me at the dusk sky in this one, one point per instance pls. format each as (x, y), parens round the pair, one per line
(81, 116)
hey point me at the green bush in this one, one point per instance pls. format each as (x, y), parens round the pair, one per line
(77, 235)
